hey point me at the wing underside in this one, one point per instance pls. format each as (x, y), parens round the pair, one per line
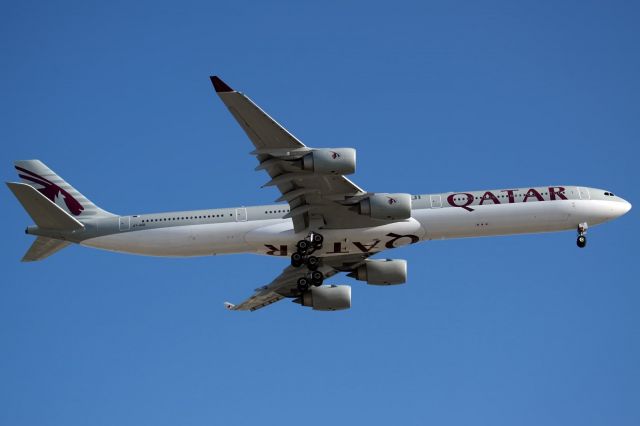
(285, 284)
(316, 200)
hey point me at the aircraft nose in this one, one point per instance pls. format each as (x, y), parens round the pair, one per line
(626, 206)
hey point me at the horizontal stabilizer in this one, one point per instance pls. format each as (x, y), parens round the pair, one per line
(43, 247)
(45, 213)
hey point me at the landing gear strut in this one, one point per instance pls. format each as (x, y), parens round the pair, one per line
(304, 256)
(582, 238)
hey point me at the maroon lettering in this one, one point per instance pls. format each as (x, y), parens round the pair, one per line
(282, 251)
(451, 199)
(557, 190)
(532, 193)
(395, 237)
(512, 197)
(337, 248)
(366, 248)
(489, 196)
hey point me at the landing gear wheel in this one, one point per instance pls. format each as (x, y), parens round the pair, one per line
(316, 278)
(582, 241)
(316, 240)
(303, 246)
(297, 260)
(303, 284)
(313, 263)
(582, 230)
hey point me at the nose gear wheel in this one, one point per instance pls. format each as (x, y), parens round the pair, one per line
(582, 238)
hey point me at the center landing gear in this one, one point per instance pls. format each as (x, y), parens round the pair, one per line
(582, 238)
(304, 256)
(304, 251)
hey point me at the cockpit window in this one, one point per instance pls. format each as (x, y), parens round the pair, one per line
(610, 194)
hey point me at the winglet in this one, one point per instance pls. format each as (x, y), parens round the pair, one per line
(229, 306)
(220, 85)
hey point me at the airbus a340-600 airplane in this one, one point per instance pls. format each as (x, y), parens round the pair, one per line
(327, 226)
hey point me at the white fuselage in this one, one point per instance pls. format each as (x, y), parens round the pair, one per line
(233, 231)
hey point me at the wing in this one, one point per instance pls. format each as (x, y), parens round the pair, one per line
(285, 285)
(315, 200)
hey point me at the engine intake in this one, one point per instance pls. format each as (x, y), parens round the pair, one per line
(335, 161)
(327, 298)
(387, 206)
(381, 272)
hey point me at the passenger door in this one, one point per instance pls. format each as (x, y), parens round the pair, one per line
(124, 223)
(241, 215)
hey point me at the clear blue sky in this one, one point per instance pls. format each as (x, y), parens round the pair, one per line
(435, 96)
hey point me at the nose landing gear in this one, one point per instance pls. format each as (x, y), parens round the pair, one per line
(582, 238)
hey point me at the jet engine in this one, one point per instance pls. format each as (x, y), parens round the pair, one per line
(381, 272)
(386, 206)
(327, 298)
(336, 161)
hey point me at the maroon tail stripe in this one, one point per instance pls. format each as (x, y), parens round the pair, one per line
(34, 180)
(29, 172)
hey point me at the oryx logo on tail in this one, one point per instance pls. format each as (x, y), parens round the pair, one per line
(51, 190)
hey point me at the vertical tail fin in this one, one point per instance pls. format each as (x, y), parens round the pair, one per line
(36, 174)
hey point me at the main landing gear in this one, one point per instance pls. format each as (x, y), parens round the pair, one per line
(582, 238)
(304, 256)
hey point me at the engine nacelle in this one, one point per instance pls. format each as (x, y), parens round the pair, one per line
(382, 272)
(335, 161)
(387, 206)
(327, 298)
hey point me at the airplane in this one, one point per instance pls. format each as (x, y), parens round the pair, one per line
(323, 222)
